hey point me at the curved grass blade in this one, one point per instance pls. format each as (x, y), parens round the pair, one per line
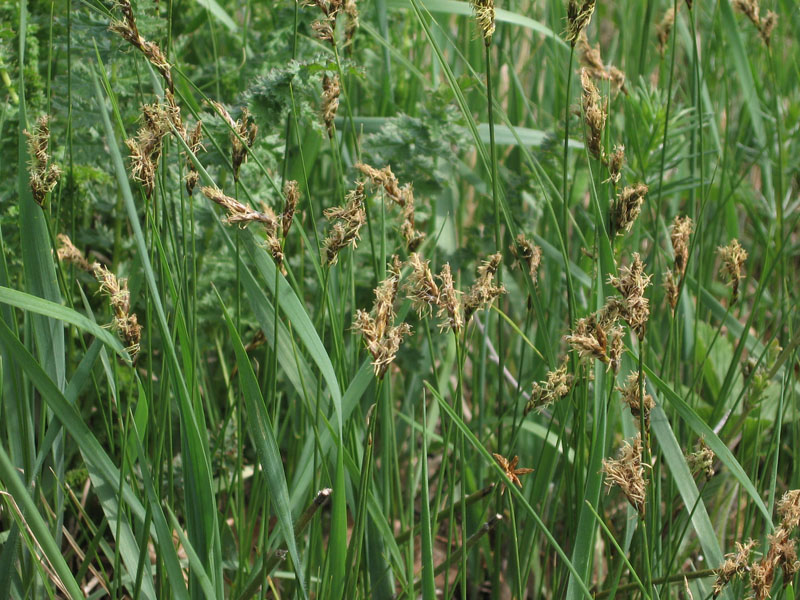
(58, 312)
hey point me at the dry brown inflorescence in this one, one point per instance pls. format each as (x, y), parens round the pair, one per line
(44, 174)
(627, 472)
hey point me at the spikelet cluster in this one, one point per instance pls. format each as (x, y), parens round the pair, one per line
(664, 28)
(194, 139)
(381, 337)
(631, 283)
(325, 27)
(579, 13)
(680, 233)
(598, 336)
(764, 24)
(529, 254)
(125, 322)
(594, 115)
(615, 161)
(592, 61)
(511, 470)
(352, 24)
(401, 196)
(126, 27)
(628, 206)
(633, 398)
(158, 119)
(67, 252)
(484, 16)
(483, 292)
(736, 565)
(421, 287)
(449, 305)
(44, 174)
(732, 257)
(627, 472)
(348, 221)
(553, 388)
(701, 460)
(242, 136)
(330, 101)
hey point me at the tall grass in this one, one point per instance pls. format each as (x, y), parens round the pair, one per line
(529, 331)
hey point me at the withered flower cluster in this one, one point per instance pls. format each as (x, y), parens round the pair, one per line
(765, 25)
(44, 174)
(664, 28)
(158, 119)
(125, 322)
(592, 60)
(402, 196)
(483, 292)
(126, 27)
(381, 336)
(598, 336)
(67, 252)
(553, 388)
(242, 136)
(673, 279)
(627, 207)
(330, 101)
(579, 13)
(511, 470)
(194, 139)
(635, 307)
(529, 254)
(632, 397)
(238, 213)
(627, 472)
(733, 257)
(348, 221)
(782, 553)
(484, 15)
(701, 460)
(594, 115)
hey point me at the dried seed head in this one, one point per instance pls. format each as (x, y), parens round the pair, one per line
(671, 289)
(632, 283)
(681, 231)
(127, 29)
(291, 195)
(594, 115)
(615, 163)
(589, 339)
(194, 141)
(733, 257)
(67, 252)
(449, 305)
(632, 397)
(528, 253)
(484, 15)
(664, 29)
(552, 389)
(768, 24)
(789, 509)
(381, 337)
(593, 61)
(701, 460)
(44, 175)
(330, 101)
(242, 140)
(510, 468)
(627, 207)
(408, 229)
(242, 214)
(384, 178)
(351, 11)
(735, 565)
(350, 218)
(579, 13)
(421, 288)
(627, 472)
(125, 322)
(157, 122)
(782, 553)
(765, 25)
(483, 291)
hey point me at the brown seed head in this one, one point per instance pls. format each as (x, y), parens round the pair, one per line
(627, 207)
(124, 322)
(383, 178)
(510, 468)
(735, 565)
(529, 254)
(681, 231)
(194, 139)
(627, 472)
(408, 229)
(242, 214)
(789, 509)
(44, 175)
(664, 29)
(67, 252)
(291, 195)
(632, 283)
(552, 389)
(632, 397)
(351, 11)
(615, 163)
(594, 115)
(733, 257)
(330, 101)
(701, 460)
(350, 218)
(127, 29)
(449, 305)
(483, 291)
(421, 288)
(579, 13)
